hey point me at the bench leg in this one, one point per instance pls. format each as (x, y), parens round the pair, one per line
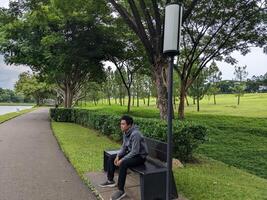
(153, 186)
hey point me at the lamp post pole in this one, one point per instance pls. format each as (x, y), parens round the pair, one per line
(169, 146)
(172, 29)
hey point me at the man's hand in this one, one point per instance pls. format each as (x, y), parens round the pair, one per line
(119, 162)
(116, 161)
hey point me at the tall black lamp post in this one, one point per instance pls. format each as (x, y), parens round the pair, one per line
(172, 32)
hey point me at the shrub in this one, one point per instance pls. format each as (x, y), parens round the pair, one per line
(62, 114)
(187, 136)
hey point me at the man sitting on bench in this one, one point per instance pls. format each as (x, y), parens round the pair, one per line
(132, 153)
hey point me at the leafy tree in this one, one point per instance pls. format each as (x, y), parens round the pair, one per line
(130, 61)
(199, 88)
(211, 30)
(120, 86)
(253, 84)
(7, 95)
(240, 75)
(93, 91)
(145, 20)
(214, 77)
(63, 40)
(226, 86)
(30, 86)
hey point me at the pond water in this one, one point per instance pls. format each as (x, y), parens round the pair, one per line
(8, 109)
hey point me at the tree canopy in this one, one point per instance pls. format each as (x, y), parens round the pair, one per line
(64, 41)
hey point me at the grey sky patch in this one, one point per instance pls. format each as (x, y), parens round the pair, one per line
(9, 73)
(256, 62)
(4, 3)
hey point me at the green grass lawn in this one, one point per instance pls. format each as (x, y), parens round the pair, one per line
(237, 134)
(9, 116)
(252, 105)
(208, 180)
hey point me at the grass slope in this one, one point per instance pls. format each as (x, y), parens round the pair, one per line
(238, 141)
(12, 115)
(208, 180)
(251, 105)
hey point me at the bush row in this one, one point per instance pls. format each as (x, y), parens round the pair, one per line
(187, 136)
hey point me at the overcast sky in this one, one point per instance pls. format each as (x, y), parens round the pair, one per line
(256, 63)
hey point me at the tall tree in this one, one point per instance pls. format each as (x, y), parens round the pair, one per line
(240, 86)
(199, 88)
(211, 30)
(63, 40)
(214, 77)
(145, 19)
(30, 86)
(131, 59)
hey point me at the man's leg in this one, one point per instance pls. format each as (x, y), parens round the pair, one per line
(110, 173)
(131, 162)
(111, 167)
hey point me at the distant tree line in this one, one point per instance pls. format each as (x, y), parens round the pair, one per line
(9, 96)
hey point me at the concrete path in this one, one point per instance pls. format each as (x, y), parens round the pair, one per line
(32, 167)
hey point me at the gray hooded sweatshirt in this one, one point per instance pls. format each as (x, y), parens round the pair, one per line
(133, 144)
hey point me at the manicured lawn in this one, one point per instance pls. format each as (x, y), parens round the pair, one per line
(237, 141)
(9, 116)
(208, 180)
(238, 138)
(252, 105)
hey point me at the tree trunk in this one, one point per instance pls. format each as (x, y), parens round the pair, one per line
(65, 98)
(148, 99)
(109, 103)
(157, 102)
(161, 89)
(238, 99)
(129, 100)
(144, 101)
(194, 101)
(133, 101)
(38, 101)
(115, 100)
(197, 104)
(181, 103)
(120, 100)
(137, 99)
(187, 103)
(214, 99)
(68, 96)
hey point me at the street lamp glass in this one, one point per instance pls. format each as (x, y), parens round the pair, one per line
(173, 19)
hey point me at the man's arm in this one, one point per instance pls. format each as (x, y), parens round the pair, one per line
(136, 138)
(123, 149)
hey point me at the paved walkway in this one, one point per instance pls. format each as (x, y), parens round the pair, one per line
(32, 167)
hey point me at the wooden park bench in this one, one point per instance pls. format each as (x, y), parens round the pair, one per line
(152, 173)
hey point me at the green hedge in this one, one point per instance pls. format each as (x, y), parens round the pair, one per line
(187, 136)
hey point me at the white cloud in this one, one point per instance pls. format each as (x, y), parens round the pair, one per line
(9, 74)
(256, 62)
(4, 3)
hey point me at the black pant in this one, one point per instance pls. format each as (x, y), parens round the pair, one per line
(131, 162)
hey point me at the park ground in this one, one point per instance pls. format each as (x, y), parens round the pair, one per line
(231, 164)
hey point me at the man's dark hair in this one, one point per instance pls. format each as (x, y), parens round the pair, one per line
(128, 119)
